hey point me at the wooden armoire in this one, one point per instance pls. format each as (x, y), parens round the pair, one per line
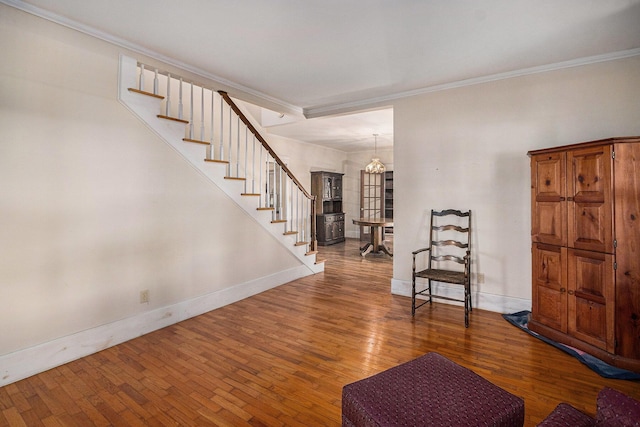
(585, 232)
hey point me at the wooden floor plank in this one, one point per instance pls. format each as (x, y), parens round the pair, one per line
(283, 356)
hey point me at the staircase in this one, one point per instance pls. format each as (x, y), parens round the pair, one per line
(212, 132)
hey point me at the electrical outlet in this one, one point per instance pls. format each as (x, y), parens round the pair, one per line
(144, 296)
(480, 278)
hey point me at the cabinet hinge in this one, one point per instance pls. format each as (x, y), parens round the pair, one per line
(613, 154)
(615, 265)
(615, 243)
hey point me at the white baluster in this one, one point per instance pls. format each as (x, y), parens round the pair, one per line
(238, 147)
(260, 176)
(289, 208)
(268, 181)
(229, 153)
(280, 195)
(213, 148)
(168, 103)
(246, 153)
(253, 167)
(202, 114)
(221, 127)
(285, 215)
(155, 82)
(180, 106)
(298, 215)
(141, 78)
(191, 114)
(304, 217)
(303, 228)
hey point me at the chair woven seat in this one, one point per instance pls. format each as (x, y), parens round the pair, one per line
(447, 276)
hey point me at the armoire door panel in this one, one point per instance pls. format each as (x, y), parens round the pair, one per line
(549, 286)
(549, 175)
(591, 298)
(590, 216)
(587, 230)
(548, 195)
(550, 223)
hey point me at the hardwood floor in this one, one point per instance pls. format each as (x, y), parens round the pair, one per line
(281, 358)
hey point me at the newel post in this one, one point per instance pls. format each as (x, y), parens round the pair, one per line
(314, 241)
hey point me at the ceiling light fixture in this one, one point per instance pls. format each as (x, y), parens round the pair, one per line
(375, 166)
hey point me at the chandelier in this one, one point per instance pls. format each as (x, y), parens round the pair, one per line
(375, 166)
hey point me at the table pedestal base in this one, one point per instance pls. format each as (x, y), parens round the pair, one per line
(377, 244)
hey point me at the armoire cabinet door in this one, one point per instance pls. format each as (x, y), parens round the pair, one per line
(550, 286)
(548, 199)
(591, 298)
(590, 210)
(627, 225)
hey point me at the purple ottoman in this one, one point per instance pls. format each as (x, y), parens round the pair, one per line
(429, 391)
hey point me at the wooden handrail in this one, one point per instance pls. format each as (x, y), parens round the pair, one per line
(273, 154)
(264, 143)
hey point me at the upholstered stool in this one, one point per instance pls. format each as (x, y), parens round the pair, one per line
(429, 391)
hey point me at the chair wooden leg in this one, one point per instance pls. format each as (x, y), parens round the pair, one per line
(467, 306)
(413, 295)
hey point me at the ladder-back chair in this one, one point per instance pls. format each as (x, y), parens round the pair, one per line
(448, 258)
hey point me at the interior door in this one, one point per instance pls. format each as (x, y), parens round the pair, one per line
(371, 200)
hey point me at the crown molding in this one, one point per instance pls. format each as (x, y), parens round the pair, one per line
(388, 99)
(246, 93)
(242, 92)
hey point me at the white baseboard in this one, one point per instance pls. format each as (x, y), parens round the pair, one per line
(33, 360)
(491, 302)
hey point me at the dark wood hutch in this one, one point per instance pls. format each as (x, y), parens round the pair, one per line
(327, 187)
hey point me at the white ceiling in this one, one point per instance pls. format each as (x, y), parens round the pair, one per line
(323, 57)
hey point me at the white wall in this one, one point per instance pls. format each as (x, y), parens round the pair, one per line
(95, 208)
(301, 157)
(466, 148)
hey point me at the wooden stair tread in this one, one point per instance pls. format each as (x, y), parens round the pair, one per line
(311, 253)
(278, 221)
(142, 92)
(288, 233)
(197, 141)
(216, 161)
(175, 119)
(320, 261)
(250, 194)
(265, 209)
(235, 178)
(301, 243)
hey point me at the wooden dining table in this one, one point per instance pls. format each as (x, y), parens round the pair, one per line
(376, 245)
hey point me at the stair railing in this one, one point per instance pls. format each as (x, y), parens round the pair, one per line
(215, 120)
